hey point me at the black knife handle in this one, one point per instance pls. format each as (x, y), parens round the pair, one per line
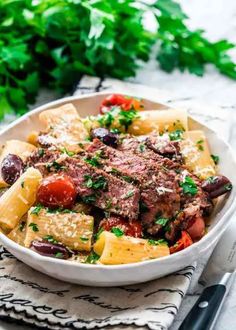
(204, 312)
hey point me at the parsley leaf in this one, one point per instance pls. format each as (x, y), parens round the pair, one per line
(216, 159)
(117, 231)
(50, 239)
(189, 186)
(95, 183)
(22, 225)
(57, 50)
(161, 221)
(92, 258)
(176, 135)
(34, 226)
(158, 242)
(36, 210)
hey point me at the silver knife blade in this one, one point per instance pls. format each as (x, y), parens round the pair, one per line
(223, 258)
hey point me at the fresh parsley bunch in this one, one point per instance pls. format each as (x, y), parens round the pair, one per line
(51, 43)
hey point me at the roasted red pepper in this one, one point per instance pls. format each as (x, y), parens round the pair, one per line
(182, 243)
(124, 102)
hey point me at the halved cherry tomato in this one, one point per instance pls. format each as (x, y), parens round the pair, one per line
(57, 190)
(124, 102)
(133, 228)
(182, 243)
(196, 229)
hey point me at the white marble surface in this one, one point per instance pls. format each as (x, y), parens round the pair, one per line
(218, 17)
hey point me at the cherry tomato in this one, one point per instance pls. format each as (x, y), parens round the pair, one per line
(182, 243)
(57, 191)
(124, 102)
(197, 228)
(133, 228)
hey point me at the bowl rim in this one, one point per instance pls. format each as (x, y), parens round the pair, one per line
(179, 255)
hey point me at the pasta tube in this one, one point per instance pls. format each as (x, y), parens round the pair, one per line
(145, 122)
(195, 150)
(65, 127)
(123, 250)
(160, 121)
(17, 234)
(16, 147)
(74, 230)
(18, 199)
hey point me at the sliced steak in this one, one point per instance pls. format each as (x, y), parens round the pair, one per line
(140, 147)
(163, 146)
(93, 185)
(159, 188)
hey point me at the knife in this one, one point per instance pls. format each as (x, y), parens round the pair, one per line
(217, 278)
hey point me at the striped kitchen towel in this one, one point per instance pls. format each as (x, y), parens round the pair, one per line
(31, 297)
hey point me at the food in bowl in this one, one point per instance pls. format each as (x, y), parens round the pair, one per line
(124, 186)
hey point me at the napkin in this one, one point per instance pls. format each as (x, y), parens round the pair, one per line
(31, 297)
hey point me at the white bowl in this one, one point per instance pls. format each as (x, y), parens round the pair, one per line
(101, 275)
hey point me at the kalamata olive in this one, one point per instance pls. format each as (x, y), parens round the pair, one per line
(11, 168)
(217, 185)
(50, 249)
(105, 136)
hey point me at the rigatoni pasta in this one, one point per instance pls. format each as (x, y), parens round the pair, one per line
(18, 199)
(72, 229)
(195, 150)
(64, 127)
(17, 234)
(160, 121)
(115, 250)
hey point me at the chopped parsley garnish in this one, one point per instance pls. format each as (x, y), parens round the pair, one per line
(211, 179)
(93, 161)
(129, 194)
(127, 178)
(22, 225)
(36, 210)
(50, 239)
(158, 242)
(228, 186)
(142, 147)
(161, 221)
(98, 183)
(65, 151)
(55, 165)
(115, 130)
(189, 186)
(89, 199)
(41, 152)
(199, 145)
(59, 255)
(126, 118)
(92, 258)
(114, 170)
(176, 135)
(22, 184)
(33, 226)
(96, 236)
(117, 231)
(108, 118)
(84, 239)
(216, 159)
